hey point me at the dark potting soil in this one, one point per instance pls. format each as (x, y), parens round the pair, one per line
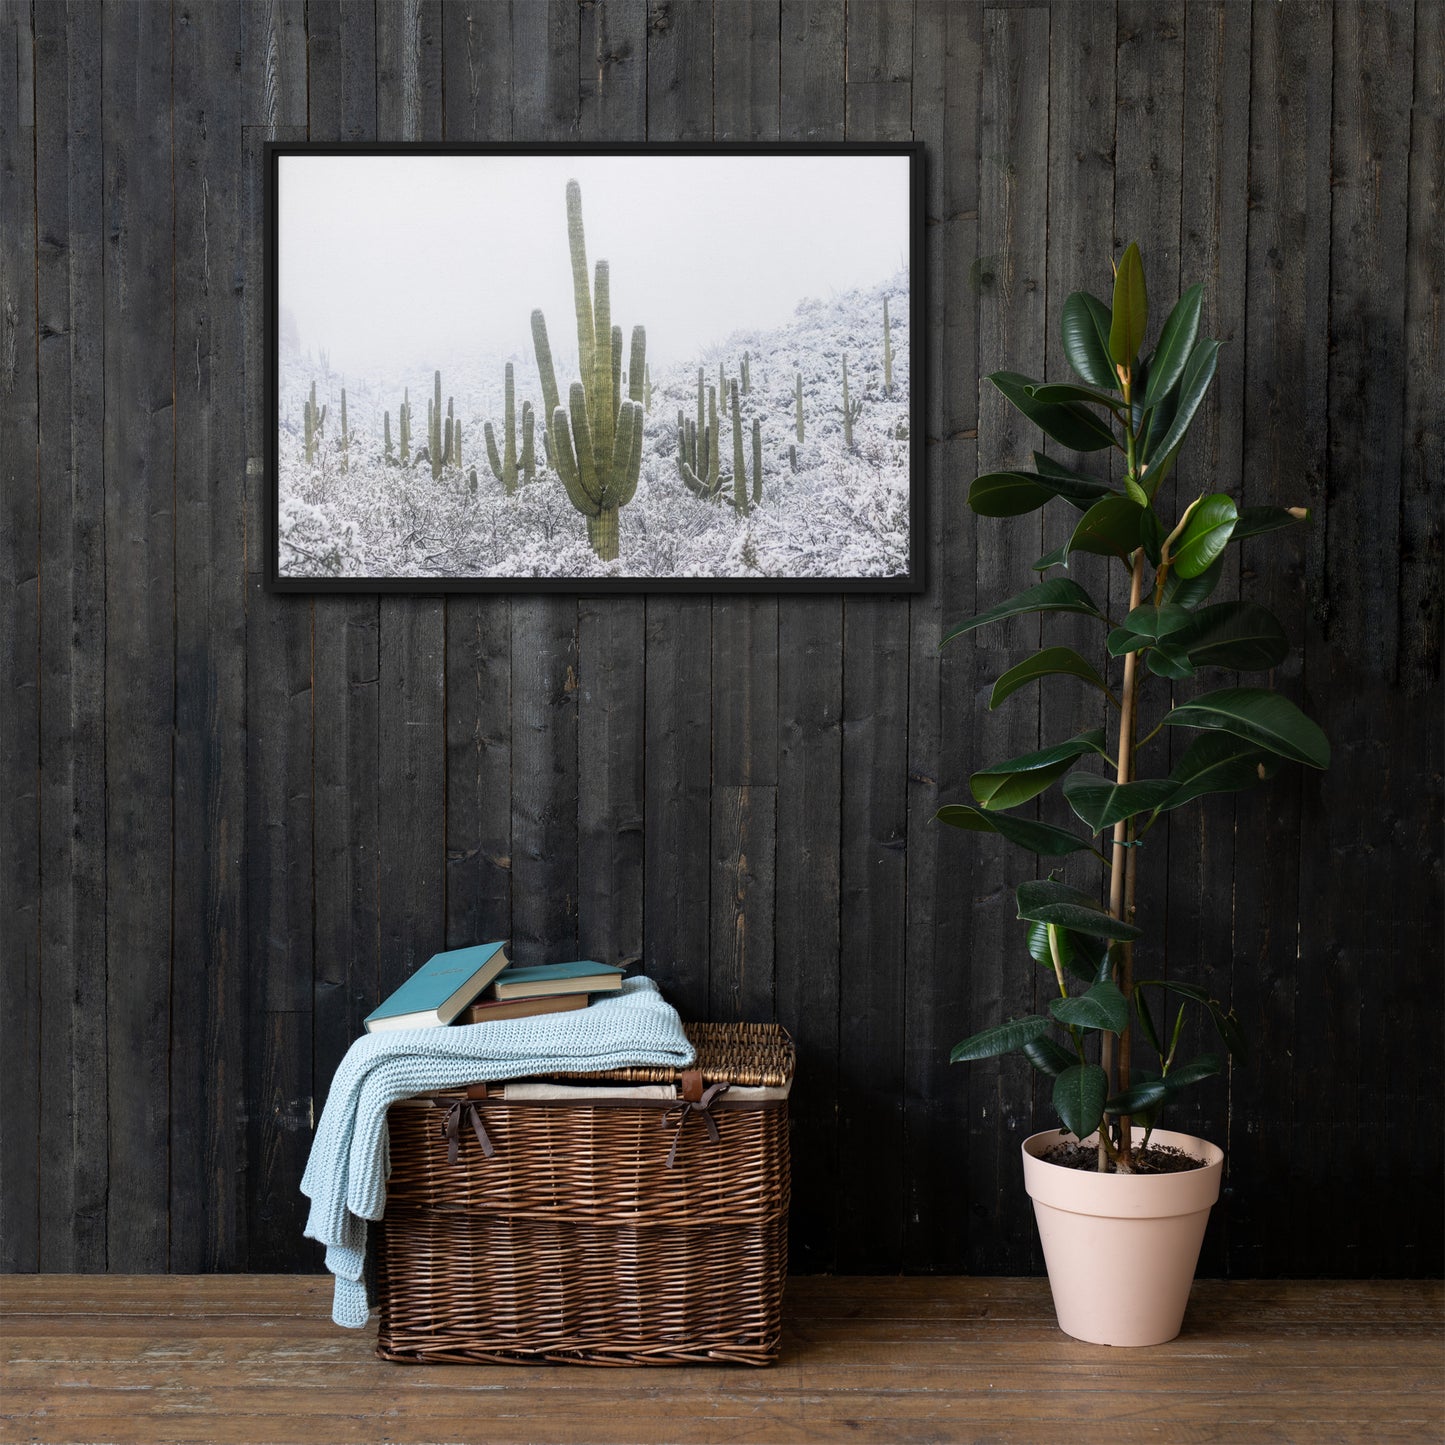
(1156, 1159)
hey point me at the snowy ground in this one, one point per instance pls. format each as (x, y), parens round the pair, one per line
(842, 514)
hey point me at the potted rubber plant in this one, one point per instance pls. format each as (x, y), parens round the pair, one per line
(1121, 1204)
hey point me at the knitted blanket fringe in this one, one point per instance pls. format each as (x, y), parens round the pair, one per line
(346, 1174)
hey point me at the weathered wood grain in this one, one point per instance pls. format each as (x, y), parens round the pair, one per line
(70, 306)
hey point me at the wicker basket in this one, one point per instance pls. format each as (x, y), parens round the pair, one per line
(608, 1232)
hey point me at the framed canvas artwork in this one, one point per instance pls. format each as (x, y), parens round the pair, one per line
(595, 368)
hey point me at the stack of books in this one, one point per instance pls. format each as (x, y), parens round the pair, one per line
(478, 985)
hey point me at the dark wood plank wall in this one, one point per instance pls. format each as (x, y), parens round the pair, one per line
(230, 820)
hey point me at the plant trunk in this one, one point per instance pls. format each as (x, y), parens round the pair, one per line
(1121, 885)
(603, 534)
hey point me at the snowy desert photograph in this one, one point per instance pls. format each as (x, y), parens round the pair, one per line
(636, 368)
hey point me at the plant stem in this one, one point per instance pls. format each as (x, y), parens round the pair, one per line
(1121, 871)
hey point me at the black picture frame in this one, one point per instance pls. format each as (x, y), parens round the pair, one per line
(911, 582)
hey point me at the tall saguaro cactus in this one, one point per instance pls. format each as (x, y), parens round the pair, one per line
(529, 454)
(597, 439)
(404, 426)
(387, 455)
(740, 471)
(851, 410)
(314, 421)
(504, 463)
(798, 395)
(345, 436)
(887, 352)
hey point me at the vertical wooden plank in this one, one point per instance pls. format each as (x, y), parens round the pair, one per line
(1012, 281)
(744, 633)
(208, 984)
(1422, 600)
(1364, 855)
(477, 61)
(810, 753)
(346, 665)
(19, 640)
(411, 725)
(875, 768)
(140, 632)
(1286, 359)
(611, 653)
(278, 754)
(1212, 251)
(545, 48)
(676, 836)
(73, 1155)
(947, 69)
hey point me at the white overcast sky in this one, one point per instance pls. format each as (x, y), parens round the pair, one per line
(405, 257)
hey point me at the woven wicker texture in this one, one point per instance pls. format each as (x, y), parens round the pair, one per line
(756, 1055)
(576, 1242)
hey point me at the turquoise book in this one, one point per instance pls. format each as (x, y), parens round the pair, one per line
(584, 976)
(440, 989)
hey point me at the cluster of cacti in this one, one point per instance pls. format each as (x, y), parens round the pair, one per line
(887, 352)
(697, 447)
(313, 421)
(596, 443)
(505, 464)
(798, 394)
(851, 410)
(740, 471)
(444, 432)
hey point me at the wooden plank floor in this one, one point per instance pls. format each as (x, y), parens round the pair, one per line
(157, 1360)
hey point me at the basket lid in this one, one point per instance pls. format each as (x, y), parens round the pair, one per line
(749, 1055)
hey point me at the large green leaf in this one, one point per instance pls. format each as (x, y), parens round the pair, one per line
(1085, 332)
(1130, 316)
(1206, 534)
(1169, 659)
(1001, 1039)
(1059, 557)
(1041, 900)
(1146, 624)
(1057, 595)
(1215, 763)
(1101, 803)
(1041, 838)
(1048, 1057)
(1254, 521)
(1012, 494)
(1191, 591)
(1079, 1094)
(1258, 716)
(1007, 784)
(1068, 391)
(1137, 1098)
(1103, 1007)
(1110, 528)
(1176, 341)
(1240, 635)
(1084, 957)
(1072, 426)
(1198, 373)
(1051, 662)
(1206, 1066)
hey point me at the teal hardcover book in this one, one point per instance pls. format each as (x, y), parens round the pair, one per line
(585, 976)
(440, 989)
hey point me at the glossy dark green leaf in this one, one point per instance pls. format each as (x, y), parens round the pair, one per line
(1085, 334)
(1060, 594)
(1048, 1057)
(1016, 780)
(1001, 1039)
(1138, 1097)
(1151, 534)
(1100, 803)
(1191, 591)
(1110, 528)
(1079, 1094)
(1258, 716)
(1176, 341)
(1103, 1007)
(1041, 900)
(1168, 659)
(1146, 1021)
(1063, 392)
(1072, 426)
(1206, 1066)
(1059, 557)
(1078, 953)
(1255, 521)
(1206, 535)
(1012, 494)
(1214, 763)
(1130, 317)
(1051, 662)
(1041, 838)
(1198, 373)
(1151, 622)
(1242, 636)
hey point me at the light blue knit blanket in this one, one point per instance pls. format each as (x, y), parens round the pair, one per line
(346, 1174)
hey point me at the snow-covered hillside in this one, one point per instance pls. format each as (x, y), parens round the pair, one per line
(843, 513)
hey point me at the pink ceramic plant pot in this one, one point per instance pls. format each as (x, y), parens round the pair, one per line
(1121, 1248)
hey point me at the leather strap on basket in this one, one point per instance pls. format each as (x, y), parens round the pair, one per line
(680, 1113)
(453, 1129)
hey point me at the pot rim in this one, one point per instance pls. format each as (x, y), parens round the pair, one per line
(1137, 1196)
